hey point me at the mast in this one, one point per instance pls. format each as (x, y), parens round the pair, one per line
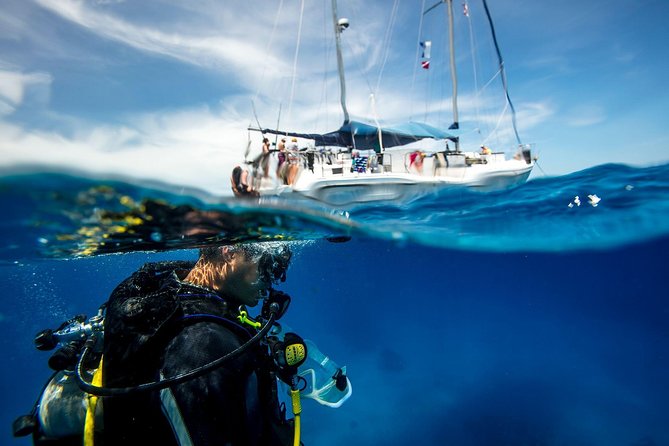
(454, 75)
(339, 26)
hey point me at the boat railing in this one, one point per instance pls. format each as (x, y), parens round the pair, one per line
(434, 163)
(327, 163)
(346, 162)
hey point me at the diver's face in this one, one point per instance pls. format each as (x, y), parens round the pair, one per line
(242, 281)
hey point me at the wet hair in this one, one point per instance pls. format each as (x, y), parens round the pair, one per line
(273, 259)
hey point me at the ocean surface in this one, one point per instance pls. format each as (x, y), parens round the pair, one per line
(523, 317)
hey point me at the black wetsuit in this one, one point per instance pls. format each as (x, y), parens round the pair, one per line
(155, 324)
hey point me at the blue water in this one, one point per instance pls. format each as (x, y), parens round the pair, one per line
(466, 318)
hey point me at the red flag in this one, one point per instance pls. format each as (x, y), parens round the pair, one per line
(425, 64)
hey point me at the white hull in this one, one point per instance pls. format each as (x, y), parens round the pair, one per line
(335, 184)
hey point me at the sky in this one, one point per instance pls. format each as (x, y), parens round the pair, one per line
(165, 90)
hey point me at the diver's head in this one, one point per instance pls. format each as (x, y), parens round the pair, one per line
(243, 272)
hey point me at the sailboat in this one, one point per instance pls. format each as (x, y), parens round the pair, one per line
(363, 162)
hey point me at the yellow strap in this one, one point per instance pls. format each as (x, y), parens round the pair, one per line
(296, 439)
(89, 425)
(297, 411)
(244, 319)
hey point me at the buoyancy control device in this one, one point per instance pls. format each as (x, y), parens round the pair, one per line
(66, 407)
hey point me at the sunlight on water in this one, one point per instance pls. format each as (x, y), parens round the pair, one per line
(603, 207)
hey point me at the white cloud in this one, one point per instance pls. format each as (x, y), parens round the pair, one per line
(11, 25)
(13, 87)
(6, 108)
(216, 50)
(196, 148)
(233, 39)
(585, 115)
(531, 114)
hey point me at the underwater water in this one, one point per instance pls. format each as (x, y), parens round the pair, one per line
(465, 318)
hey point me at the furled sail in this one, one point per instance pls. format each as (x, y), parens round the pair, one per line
(359, 135)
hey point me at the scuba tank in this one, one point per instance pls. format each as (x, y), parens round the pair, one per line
(63, 407)
(60, 412)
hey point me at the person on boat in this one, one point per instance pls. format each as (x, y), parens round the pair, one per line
(359, 162)
(180, 362)
(239, 181)
(416, 162)
(264, 157)
(485, 150)
(281, 156)
(293, 163)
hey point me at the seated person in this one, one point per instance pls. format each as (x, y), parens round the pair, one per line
(240, 183)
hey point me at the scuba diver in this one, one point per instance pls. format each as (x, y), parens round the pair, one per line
(174, 358)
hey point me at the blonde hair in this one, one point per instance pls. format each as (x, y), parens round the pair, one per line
(216, 263)
(213, 263)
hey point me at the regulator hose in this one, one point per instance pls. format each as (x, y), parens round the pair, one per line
(167, 382)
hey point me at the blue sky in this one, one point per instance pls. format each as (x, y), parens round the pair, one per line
(162, 89)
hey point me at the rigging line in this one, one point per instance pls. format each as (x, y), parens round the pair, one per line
(249, 141)
(501, 66)
(267, 48)
(499, 121)
(386, 42)
(451, 54)
(376, 121)
(248, 145)
(326, 53)
(472, 47)
(415, 66)
(487, 84)
(536, 163)
(433, 6)
(357, 62)
(480, 97)
(278, 121)
(297, 53)
(442, 77)
(255, 115)
(428, 88)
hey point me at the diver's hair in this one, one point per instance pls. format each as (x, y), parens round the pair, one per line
(218, 253)
(216, 261)
(211, 264)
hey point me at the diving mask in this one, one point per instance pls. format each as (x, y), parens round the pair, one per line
(321, 378)
(326, 382)
(272, 265)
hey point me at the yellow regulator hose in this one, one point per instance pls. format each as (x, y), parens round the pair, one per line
(89, 426)
(297, 410)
